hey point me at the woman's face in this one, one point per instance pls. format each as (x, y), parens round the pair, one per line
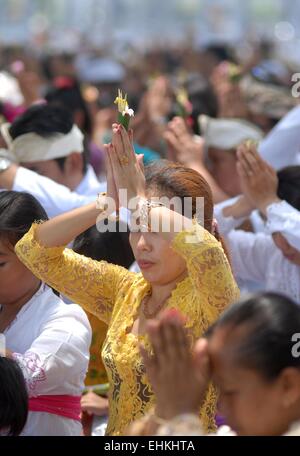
(250, 404)
(158, 262)
(289, 252)
(16, 281)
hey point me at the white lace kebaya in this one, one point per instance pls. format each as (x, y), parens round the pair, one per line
(285, 219)
(50, 341)
(255, 256)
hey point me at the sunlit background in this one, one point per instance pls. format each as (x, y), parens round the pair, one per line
(67, 25)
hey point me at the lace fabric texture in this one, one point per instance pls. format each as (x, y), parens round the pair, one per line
(114, 295)
(96, 374)
(33, 370)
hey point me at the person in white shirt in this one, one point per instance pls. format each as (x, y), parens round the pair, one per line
(213, 155)
(46, 157)
(271, 258)
(48, 339)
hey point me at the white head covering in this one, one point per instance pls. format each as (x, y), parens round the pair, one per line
(31, 147)
(281, 147)
(285, 219)
(227, 133)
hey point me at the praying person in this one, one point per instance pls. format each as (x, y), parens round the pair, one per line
(47, 338)
(186, 269)
(45, 156)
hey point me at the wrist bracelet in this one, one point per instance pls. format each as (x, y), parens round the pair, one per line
(101, 203)
(145, 206)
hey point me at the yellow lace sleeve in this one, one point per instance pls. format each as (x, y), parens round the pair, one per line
(92, 284)
(208, 268)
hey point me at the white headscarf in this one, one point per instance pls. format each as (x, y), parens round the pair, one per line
(281, 147)
(285, 219)
(31, 147)
(227, 133)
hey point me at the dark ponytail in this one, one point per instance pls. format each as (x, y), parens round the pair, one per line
(271, 323)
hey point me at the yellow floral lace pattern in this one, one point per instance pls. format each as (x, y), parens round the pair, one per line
(96, 374)
(114, 295)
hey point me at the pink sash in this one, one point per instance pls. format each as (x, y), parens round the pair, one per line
(66, 406)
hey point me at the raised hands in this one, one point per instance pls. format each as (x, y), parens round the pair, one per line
(230, 99)
(124, 167)
(179, 377)
(182, 146)
(185, 149)
(150, 121)
(159, 99)
(259, 180)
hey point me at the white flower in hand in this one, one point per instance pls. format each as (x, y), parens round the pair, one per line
(125, 113)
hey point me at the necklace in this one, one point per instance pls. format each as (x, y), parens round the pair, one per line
(149, 314)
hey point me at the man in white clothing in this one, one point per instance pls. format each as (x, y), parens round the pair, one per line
(281, 147)
(271, 258)
(48, 339)
(45, 156)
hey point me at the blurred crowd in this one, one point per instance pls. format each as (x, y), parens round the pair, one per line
(236, 123)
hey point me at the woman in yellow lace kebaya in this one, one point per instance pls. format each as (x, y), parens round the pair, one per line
(183, 267)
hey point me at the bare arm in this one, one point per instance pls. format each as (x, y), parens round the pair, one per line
(7, 177)
(61, 230)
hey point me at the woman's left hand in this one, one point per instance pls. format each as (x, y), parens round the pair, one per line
(127, 166)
